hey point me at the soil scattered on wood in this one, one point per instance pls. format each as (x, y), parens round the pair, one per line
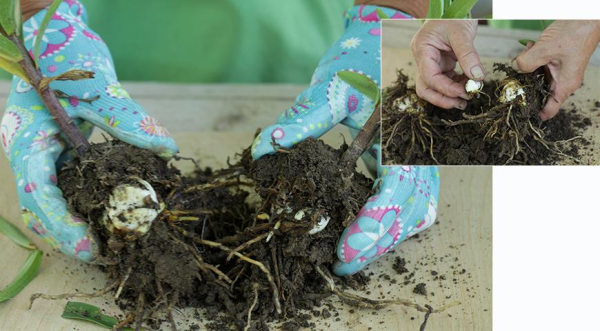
(500, 126)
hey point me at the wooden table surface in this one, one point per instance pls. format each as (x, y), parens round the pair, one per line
(213, 122)
(496, 45)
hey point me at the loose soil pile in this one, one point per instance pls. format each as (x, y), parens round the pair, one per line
(492, 130)
(247, 260)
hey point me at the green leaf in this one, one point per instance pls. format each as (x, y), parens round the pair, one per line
(546, 23)
(85, 312)
(13, 68)
(8, 50)
(524, 42)
(10, 16)
(18, 19)
(27, 274)
(381, 14)
(459, 9)
(13, 233)
(38, 40)
(362, 83)
(436, 9)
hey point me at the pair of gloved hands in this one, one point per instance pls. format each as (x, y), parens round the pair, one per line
(405, 203)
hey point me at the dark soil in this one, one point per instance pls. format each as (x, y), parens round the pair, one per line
(420, 289)
(183, 260)
(158, 269)
(488, 132)
(400, 265)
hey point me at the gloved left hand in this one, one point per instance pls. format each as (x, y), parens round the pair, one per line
(406, 200)
(33, 141)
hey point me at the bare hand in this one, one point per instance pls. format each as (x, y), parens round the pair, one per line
(437, 47)
(564, 48)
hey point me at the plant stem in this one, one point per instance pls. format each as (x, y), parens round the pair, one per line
(50, 100)
(364, 138)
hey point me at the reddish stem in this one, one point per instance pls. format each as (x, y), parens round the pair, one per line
(64, 121)
(364, 139)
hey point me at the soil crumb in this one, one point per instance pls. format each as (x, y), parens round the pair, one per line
(400, 265)
(420, 289)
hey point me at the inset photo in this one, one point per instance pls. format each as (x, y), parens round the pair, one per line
(490, 92)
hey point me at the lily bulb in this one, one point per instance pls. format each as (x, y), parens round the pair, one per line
(132, 209)
(511, 90)
(473, 87)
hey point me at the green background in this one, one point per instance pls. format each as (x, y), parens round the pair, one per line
(232, 41)
(537, 25)
(205, 41)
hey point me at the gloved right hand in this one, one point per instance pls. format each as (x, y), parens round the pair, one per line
(405, 201)
(33, 142)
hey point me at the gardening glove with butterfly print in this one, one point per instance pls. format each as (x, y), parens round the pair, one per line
(33, 142)
(406, 199)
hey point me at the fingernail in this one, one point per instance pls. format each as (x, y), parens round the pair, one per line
(477, 72)
(513, 64)
(461, 106)
(529, 45)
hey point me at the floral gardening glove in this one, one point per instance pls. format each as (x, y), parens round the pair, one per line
(404, 205)
(33, 142)
(406, 200)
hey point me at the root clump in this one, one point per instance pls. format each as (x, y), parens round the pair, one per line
(502, 127)
(252, 243)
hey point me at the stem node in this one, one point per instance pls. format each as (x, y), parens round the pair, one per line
(49, 98)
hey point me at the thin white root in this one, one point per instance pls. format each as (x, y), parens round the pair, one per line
(255, 286)
(123, 283)
(71, 295)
